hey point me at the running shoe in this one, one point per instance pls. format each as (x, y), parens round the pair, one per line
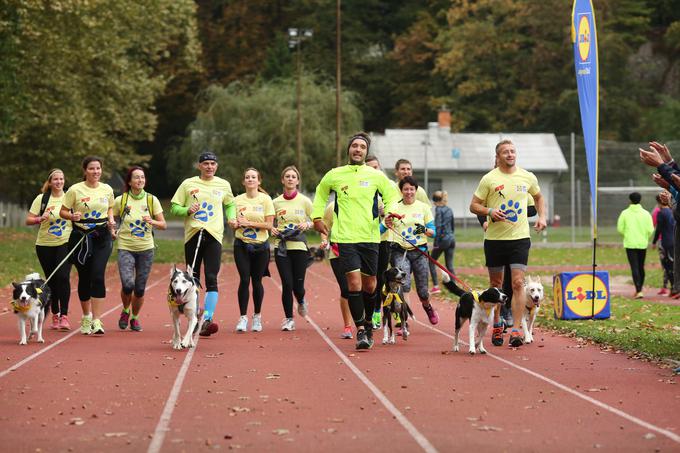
(302, 308)
(662, 292)
(86, 325)
(673, 295)
(516, 339)
(347, 333)
(497, 335)
(376, 320)
(208, 328)
(97, 327)
(135, 325)
(288, 325)
(242, 324)
(257, 323)
(63, 323)
(123, 320)
(639, 295)
(431, 314)
(55, 321)
(364, 339)
(435, 290)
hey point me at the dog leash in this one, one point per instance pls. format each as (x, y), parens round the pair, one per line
(426, 254)
(198, 245)
(68, 255)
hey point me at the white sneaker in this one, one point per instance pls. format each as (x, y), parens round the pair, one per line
(445, 276)
(257, 323)
(302, 308)
(86, 325)
(288, 325)
(242, 324)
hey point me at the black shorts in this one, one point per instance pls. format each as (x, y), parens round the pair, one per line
(361, 256)
(500, 253)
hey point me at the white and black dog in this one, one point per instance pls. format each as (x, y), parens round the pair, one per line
(395, 303)
(30, 301)
(534, 296)
(183, 299)
(476, 307)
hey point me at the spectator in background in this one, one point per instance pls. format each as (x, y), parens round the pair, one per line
(636, 226)
(444, 240)
(664, 225)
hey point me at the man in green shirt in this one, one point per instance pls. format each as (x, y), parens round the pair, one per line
(636, 226)
(356, 219)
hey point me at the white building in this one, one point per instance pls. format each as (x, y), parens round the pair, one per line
(456, 162)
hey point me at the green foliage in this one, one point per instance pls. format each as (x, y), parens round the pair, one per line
(255, 126)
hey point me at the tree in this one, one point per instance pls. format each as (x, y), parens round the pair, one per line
(254, 126)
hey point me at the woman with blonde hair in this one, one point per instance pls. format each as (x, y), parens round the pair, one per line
(51, 245)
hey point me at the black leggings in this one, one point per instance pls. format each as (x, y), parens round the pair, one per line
(252, 264)
(60, 283)
(636, 259)
(92, 272)
(384, 251)
(209, 253)
(292, 269)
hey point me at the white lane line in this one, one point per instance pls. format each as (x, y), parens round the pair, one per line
(58, 342)
(401, 418)
(631, 418)
(163, 425)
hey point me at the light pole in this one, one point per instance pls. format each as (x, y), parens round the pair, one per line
(295, 38)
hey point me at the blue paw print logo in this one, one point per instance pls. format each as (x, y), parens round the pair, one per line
(204, 214)
(57, 227)
(92, 215)
(249, 233)
(409, 236)
(138, 228)
(512, 210)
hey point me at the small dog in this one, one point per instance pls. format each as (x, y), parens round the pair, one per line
(534, 296)
(478, 308)
(30, 302)
(395, 304)
(183, 299)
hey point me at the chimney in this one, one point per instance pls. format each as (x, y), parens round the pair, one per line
(444, 118)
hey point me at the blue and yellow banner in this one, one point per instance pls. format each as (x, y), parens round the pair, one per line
(584, 39)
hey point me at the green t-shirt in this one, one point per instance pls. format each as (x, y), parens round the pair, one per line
(357, 188)
(135, 234)
(510, 193)
(211, 196)
(290, 213)
(56, 230)
(92, 203)
(255, 210)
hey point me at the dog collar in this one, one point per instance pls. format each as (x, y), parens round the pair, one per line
(17, 307)
(475, 296)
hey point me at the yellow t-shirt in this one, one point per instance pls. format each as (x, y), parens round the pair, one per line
(328, 220)
(509, 193)
(56, 230)
(135, 234)
(92, 203)
(290, 213)
(254, 210)
(418, 212)
(211, 196)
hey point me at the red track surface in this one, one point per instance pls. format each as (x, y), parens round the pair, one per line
(293, 391)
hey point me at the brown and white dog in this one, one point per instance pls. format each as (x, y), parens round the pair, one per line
(183, 299)
(534, 296)
(30, 301)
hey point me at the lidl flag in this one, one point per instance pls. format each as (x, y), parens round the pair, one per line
(584, 39)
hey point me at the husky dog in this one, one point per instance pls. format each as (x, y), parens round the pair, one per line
(183, 299)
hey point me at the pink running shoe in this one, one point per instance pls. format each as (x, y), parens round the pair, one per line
(63, 323)
(55, 321)
(347, 333)
(662, 292)
(431, 314)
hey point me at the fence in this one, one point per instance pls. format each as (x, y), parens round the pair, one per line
(11, 215)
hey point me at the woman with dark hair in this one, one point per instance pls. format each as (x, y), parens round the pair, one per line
(291, 252)
(51, 244)
(89, 205)
(444, 241)
(139, 213)
(251, 250)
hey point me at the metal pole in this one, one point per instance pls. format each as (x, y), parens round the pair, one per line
(578, 203)
(573, 191)
(299, 110)
(338, 84)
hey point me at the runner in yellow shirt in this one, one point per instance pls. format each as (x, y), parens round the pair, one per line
(254, 220)
(293, 211)
(202, 201)
(51, 244)
(139, 213)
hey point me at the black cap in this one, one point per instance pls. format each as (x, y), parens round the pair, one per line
(207, 155)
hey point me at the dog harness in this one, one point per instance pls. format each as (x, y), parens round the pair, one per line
(475, 296)
(172, 302)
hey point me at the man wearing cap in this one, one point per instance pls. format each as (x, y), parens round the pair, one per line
(202, 201)
(356, 220)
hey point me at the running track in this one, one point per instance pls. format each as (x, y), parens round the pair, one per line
(308, 390)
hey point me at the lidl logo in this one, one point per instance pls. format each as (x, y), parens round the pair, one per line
(579, 295)
(584, 38)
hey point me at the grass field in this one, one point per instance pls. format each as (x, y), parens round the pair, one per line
(641, 328)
